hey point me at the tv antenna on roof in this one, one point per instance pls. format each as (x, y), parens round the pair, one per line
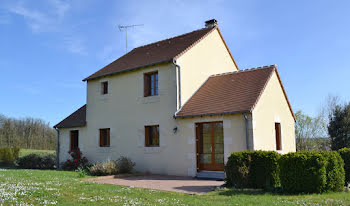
(126, 33)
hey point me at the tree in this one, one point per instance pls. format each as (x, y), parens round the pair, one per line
(339, 126)
(310, 132)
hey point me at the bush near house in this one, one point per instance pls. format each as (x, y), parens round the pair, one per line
(125, 165)
(120, 166)
(8, 155)
(345, 154)
(253, 169)
(77, 161)
(37, 161)
(311, 172)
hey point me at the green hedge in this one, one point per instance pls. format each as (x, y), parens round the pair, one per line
(345, 154)
(312, 171)
(8, 155)
(253, 169)
(37, 161)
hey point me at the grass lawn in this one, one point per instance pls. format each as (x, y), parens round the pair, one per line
(24, 187)
(24, 152)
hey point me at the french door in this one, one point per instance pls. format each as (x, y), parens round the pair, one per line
(210, 146)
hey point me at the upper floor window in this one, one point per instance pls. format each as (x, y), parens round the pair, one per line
(104, 87)
(151, 84)
(105, 138)
(152, 136)
(278, 136)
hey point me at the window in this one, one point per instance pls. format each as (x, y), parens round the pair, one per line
(105, 137)
(152, 136)
(278, 136)
(74, 140)
(151, 84)
(104, 87)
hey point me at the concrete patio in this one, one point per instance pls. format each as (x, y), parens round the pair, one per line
(162, 182)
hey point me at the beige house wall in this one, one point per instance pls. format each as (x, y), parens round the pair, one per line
(273, 107)
(209, 56)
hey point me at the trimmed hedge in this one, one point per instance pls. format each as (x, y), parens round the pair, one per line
(8, 155)
(345, 154)
(253, 169)
(312, 172)
(36, 161)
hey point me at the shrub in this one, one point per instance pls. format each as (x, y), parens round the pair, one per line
(125, 165)
(253, 169)
(8, 155)
(36, 161)
(77, 160)
(311, 171)
(109, 167)
(345, 154)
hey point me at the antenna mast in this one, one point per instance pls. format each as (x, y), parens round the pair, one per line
(126, 33)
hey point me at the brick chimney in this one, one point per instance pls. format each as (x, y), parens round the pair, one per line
(211, 23)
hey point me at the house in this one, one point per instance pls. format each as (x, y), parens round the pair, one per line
(179, 106)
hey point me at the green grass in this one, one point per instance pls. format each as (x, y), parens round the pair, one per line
(24, 152)
(45, 187)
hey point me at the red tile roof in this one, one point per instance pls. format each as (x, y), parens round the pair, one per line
(228, 93)
(76, 119)
(155, 53)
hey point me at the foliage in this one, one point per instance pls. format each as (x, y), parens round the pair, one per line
(8, 155)
(51, 187)
(77, 161)
(37, 161)
(27, 133)
(339, 126)
(311, 172)
(125, 165)
(253, 169)
(109, 167)
(345, 154)
(309, 132)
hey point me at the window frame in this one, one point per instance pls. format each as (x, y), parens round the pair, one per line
(278, 136)
(71, 142)
(108, 138)
(149, 129)
(104, 87)
(151, 88)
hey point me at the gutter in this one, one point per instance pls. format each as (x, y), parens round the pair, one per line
(126, 70)
(57, 148)
(246, 130)
(178, 70)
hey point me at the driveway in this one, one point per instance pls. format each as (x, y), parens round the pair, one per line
(163, 182)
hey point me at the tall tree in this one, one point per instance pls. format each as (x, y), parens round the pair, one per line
(310, 132)
(339, 126)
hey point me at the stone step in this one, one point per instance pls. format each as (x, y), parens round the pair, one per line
(214, 175)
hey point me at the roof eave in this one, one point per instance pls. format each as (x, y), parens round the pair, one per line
(127, 70)
(79, 125)
(212, 114)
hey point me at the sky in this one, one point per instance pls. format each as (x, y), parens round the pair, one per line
(48, 46)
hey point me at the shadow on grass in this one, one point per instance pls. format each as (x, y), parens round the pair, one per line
(6, 166)
(231, 192)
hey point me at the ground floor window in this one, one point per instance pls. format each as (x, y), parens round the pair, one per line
(152, 136)
(74, 139)
(105, 137)
(278, 136)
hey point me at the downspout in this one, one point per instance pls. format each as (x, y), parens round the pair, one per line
(57, 149)
(178, 82)
(246, 130)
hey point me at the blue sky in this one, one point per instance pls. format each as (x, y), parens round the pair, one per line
(47, 47)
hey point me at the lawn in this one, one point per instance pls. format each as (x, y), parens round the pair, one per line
(24, 152)
(25, 187)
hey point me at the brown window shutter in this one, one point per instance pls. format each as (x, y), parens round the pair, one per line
(278, 136)
(145, 85)
(108, 137)
(101, 138)
(156, 135)
(147, 136)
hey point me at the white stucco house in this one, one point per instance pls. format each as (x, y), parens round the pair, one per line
(179, 106)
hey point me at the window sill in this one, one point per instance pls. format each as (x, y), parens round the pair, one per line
(149, 99)
(152, 150)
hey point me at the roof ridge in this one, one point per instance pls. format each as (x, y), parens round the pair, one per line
(245, 70)
(173, 37)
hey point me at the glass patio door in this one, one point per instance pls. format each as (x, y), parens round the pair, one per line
(210, 146)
